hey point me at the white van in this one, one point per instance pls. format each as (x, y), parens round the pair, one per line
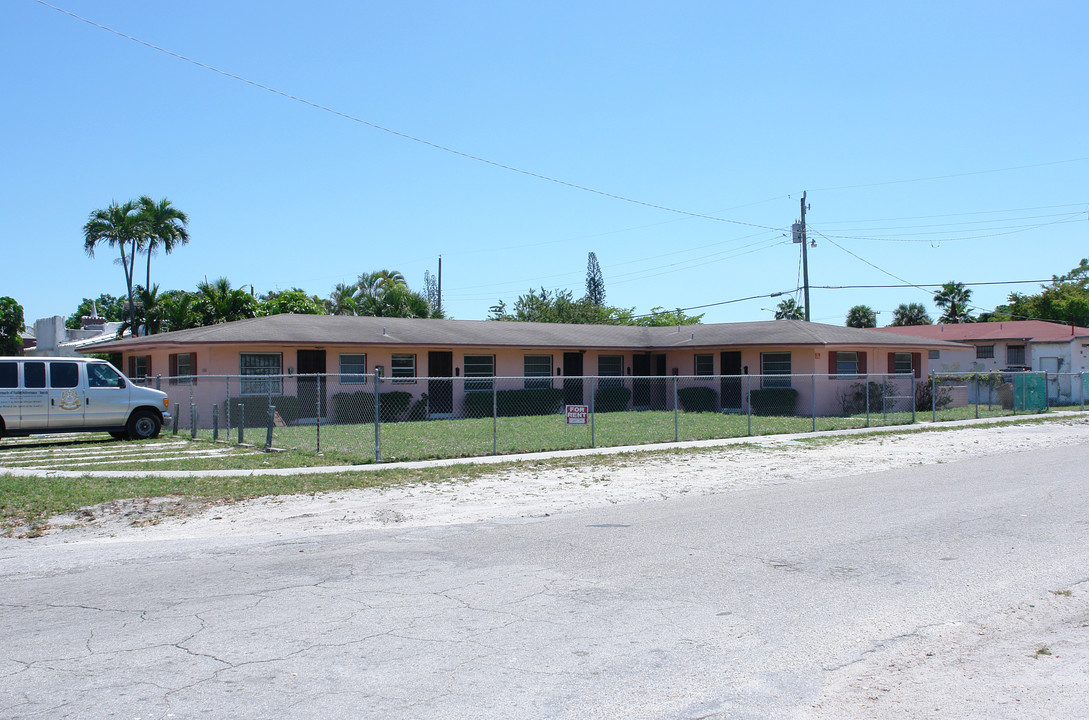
(56, 395)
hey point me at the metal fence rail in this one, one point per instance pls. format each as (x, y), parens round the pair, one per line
(956, 396)
(369, 418)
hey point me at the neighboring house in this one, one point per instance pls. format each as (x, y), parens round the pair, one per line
(1013, 346)
(414, 353)
(54, 339)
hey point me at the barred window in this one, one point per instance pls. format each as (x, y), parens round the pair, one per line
(984, 351)
(537, 366)
(403, 369)
(353, 369)
(478, 366)
(1015, 354)
(253, 366)
(775, 364)
(705, 364)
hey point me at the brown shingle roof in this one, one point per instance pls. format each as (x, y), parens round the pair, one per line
(343, 329)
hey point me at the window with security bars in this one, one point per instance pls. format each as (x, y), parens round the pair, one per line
(478, 371)
(984, 352)
(254, 367)
(611, 370)
(353, 369)
(1015, 354)
(705, 364)
(403, 369)
(537, 366)
(772, 364)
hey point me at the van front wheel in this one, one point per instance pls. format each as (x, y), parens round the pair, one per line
(144, 425)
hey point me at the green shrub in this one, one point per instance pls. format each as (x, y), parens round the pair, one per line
(697, 399)
(358, 407)
(514, 403)
(612, 399)
(774, 401)
(256, 409)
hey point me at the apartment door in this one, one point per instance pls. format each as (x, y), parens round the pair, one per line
(572, 384)
(440, 388)
(730, 384)
(308, 365)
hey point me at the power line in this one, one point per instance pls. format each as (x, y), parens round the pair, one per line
(397, 133)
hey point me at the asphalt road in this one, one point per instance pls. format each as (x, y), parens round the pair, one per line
(753, 604)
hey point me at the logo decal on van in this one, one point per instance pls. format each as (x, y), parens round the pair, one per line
(70, 400)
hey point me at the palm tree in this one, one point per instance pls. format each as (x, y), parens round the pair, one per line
(162, 225)
(953, 300)
(910, 314)
(342, 300)
(116, 225)
(178, 310)
(861, 316)
(220, 303)
(789, 309)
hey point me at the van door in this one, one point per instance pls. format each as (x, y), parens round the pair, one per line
(10, 396)
(34, 400)
(67, 395)
(107, 397)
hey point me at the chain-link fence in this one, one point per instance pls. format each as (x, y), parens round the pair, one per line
(957, 396)
(367, 418)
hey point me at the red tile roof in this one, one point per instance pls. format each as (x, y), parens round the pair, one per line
(1029, 330)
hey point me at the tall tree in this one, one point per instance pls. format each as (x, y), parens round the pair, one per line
(161, 226)
(294, 301)
(116, 225)
(342, 300)
(953, 300)
(789, 309)
(105, 306)
(861, 316)
(910, 314)
(1065, 300)
(179, 310)
(11, 324)
(595, 283)
(220, 303)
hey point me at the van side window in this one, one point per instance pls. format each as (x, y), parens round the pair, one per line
(102, 376)
(9, 375)
(34, 375)
(63, 375)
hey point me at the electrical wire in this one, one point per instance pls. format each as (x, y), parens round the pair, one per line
(402, 135)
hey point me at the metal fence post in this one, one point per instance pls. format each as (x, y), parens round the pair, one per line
(676, 414)
(158, 382)
(495, 419)
(215, 422)
(268, 435)
(748, 400)
(174, 424)
(866, 383)
(317, 447)
(1047, 391)
(593, 403)
(192, 421)
(933, 397)
(813, 399)
(912, 398)
(377, 421)
(227, 406)
(1081, 390)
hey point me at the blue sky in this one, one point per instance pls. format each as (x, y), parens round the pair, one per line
(936, 141)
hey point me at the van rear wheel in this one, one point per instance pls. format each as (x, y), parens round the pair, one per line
(144, 425)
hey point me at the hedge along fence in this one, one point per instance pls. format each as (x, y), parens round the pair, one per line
(774, 401)
(512, 403)
(357, 408)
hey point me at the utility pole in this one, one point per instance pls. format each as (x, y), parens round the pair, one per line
(805, 260)
(440, 283)
(799, 236)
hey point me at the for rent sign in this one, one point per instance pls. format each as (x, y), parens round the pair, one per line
(577, 414)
